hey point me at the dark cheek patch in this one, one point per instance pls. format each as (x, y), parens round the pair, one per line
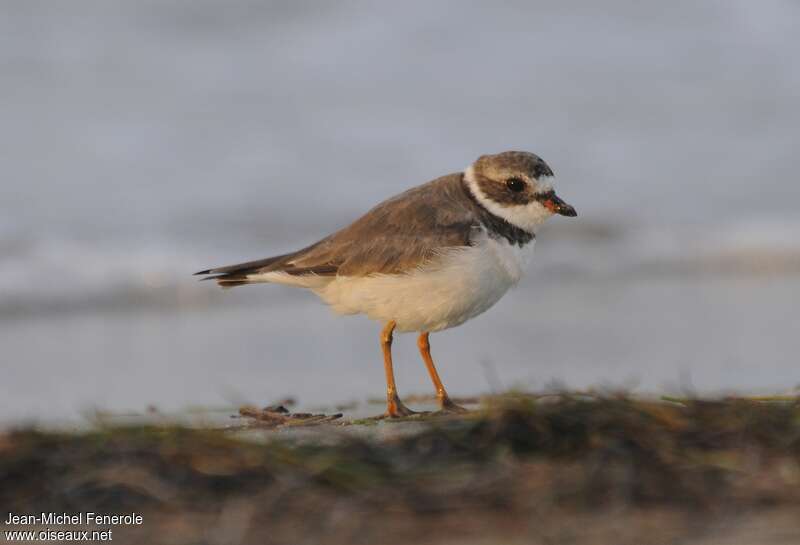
(501, 194)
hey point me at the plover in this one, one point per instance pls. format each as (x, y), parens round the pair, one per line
(426, 260)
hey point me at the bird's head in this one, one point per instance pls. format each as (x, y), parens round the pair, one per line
(516, 186)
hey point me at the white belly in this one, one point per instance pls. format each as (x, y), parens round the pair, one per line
(462, 284)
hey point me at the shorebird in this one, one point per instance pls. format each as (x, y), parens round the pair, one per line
(427, 259)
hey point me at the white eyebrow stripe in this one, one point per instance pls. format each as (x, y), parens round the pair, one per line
(545, 184)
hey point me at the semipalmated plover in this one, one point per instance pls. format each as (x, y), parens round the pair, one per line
(426, 260)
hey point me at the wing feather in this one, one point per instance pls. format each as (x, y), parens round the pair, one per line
(398, 235)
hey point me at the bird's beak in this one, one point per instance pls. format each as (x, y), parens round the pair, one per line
(557, 206)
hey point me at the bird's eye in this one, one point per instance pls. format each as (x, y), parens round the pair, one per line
(515, 184)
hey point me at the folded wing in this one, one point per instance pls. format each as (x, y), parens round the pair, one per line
(396, 236)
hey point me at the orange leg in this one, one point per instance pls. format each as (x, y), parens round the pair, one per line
(394, 407)
(444, 400)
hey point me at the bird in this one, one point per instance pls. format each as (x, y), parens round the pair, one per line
(425, 260)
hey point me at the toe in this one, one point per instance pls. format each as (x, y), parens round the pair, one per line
(447, 406)
(396, 409)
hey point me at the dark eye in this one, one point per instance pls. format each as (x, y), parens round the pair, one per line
(515, 184)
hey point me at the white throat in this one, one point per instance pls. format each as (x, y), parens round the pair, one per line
(525, 216)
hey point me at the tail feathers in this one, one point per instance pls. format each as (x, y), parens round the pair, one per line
(242, 273)
(240, 267)
(228, 281)
(231, 276)
(227, 284)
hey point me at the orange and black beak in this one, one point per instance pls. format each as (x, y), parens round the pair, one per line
(553, 202)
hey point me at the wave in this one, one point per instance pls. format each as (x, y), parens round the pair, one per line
(63, 275)
(749, 247)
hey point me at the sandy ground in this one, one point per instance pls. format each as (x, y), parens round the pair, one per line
(521, 469)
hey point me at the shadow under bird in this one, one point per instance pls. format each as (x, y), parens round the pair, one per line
(426, 260)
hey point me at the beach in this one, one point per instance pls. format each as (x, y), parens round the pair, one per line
(558, 468)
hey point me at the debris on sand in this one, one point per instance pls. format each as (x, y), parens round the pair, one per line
(276, 416)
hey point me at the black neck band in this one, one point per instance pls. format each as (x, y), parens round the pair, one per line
(496, 226)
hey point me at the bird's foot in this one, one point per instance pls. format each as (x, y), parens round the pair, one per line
(447, 406)
(396, 409)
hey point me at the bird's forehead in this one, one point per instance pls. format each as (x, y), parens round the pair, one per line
(513, 162)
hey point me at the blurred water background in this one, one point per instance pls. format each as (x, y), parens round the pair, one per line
(144, 140)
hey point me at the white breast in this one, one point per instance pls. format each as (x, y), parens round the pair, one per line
(461, 284)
